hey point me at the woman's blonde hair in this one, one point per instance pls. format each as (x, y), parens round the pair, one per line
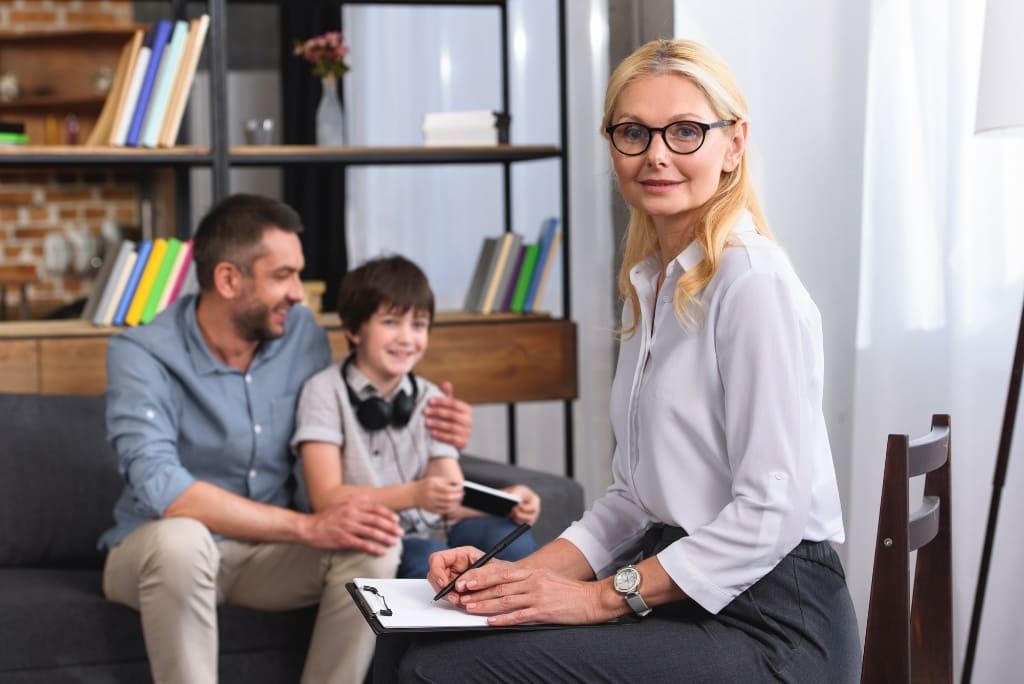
(735, 190)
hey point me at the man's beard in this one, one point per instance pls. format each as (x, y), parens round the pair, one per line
(252, 323)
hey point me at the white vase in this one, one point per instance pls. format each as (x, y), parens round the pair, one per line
(330, 122)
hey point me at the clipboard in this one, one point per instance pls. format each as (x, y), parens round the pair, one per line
(412, 609)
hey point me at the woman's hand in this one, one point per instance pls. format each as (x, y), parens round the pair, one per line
(512, 594)
(528, 509)
(439, 495)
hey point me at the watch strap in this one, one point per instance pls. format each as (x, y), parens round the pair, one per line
(637, 603)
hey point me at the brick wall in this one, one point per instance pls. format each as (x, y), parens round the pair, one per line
(35, 203)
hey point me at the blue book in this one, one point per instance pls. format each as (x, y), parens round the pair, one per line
(161, 32)
(145, 247)
(547, 236)
(162, 90)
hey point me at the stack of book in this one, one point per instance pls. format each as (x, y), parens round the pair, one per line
(151, 85)
(465, 129)
(13, 133)
(139, 280)
(510, 275)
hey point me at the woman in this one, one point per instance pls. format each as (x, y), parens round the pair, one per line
(723, 476)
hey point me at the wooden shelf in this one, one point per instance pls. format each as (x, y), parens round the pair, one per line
(265, 155)
(90, 33)
(82, 155)
(490, 359)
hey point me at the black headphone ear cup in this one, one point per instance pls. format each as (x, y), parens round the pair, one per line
(374, 413)
(401, 410)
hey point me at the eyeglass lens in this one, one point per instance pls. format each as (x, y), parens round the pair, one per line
(682, 137)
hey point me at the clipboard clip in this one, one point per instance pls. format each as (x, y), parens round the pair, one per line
(385, 611)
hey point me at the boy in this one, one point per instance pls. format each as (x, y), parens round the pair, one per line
(360, 430)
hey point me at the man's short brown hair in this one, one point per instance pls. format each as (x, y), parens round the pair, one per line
(233, 231)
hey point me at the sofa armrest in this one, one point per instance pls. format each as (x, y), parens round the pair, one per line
(561, 498)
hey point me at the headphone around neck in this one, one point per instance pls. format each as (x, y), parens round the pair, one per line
(376, 413)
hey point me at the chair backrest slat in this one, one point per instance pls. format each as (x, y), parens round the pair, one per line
(929, 452)
(924, 523)
(910, 638)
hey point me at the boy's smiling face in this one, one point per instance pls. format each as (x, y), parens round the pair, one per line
(390, 344)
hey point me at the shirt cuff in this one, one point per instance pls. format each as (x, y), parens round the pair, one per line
(691, 580)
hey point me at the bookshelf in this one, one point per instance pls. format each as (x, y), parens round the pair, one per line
(498, 358)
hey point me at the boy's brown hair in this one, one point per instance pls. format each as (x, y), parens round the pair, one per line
(393, 281)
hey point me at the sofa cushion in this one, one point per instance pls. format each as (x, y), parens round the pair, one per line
(58, 480)
(58, 618)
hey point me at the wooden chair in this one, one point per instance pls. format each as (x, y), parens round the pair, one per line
(907, 642)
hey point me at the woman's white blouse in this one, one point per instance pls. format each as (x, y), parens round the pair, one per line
(722, 432)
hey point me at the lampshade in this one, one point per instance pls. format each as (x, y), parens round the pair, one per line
(1001, 82)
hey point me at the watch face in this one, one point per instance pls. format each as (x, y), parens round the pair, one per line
(627, 580)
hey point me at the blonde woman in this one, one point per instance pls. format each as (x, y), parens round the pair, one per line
(715, 536)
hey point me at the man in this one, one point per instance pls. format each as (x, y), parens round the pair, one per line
(200, 408)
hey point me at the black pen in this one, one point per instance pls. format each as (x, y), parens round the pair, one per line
(498, 548)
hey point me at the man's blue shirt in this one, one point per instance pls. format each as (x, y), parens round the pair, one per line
(177, 414)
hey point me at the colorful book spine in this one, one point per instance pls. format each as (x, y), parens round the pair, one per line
(506, 302)
(544, 270)
(146, 281)
(547, 235)
(161, 32)
(160, 283)
(122, 266)
(525, 276)
(119, 133)
(142, 256)
(164, 82)
(182, 86)
(176, 277)
(484, 264)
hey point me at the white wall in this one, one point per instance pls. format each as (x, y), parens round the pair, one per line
(802, 66)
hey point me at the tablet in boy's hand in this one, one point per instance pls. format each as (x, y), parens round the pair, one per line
(487, 499)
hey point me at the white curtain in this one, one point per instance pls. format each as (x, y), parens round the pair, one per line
(942, 269)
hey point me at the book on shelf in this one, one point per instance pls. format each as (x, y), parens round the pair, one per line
(165, 76)
(481, 272)
(100, 133)
(526, 276)
(545, 264)
(504, 249)
(161, 33)
(176, 277)
(92, 302)
(510, 289)
(124, 264)
(546, 240)
(146, 281)
(507, 266)
(467, 128)
(141, 257)
(182, 85)
(149, 310)
(123, 120)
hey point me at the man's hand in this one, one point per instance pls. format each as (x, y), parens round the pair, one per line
(354, 524)
(527, 510)
(438, 495)
(449, 419)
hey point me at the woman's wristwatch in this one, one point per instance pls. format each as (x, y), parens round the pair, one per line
(627, 581)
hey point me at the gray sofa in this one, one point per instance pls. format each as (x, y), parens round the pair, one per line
(58, 483)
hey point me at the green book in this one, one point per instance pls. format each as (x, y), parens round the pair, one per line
(13, 138)
(149, 310)
(525, 275)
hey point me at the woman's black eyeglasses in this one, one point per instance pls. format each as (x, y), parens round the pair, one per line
(682, 137)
